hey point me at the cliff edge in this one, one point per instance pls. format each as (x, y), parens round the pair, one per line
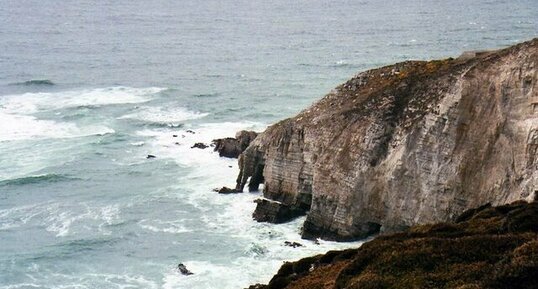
(487, 247)
(412, 143)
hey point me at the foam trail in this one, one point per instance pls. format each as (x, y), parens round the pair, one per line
(161, 115)
(30, 103)
(23, 127)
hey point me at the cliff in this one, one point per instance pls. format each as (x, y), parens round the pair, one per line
(412, 143)
(487, 247)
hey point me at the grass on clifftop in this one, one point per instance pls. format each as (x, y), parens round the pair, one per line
(487, 247)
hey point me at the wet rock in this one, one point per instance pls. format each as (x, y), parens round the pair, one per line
(232, 147)
(227, 147)
(183, 269)
(190, 131)
(225, 190)
(174, 135)
(199, 145)
(275, 212)
(257, 286)
(150, 157)
(292, 244)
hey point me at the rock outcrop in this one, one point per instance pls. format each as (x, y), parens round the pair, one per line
(412, 143)
(232, 147)
(488, 247)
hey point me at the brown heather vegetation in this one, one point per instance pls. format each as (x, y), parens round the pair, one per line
(486, 247)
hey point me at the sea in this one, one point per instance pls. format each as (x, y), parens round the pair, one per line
(89, 89)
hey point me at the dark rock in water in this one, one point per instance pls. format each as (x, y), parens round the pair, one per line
(175, 135)
(226, 190)
(190, 131)
(150, 157)
(183, 269)
(199, 145)
(292, 244)
(491, 247)
(275, 212)
(232, 147)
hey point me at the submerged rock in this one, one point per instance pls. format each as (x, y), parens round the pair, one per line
(491, 247)
(292, 244)
(183, 269)
(150, 157)
(226, 190)
(411, 143)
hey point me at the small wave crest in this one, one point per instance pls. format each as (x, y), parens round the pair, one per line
(159, 226)
(46, 178)
(29, 103)
(203, 95)
(163, 116)
(23, 127)
(35, 82)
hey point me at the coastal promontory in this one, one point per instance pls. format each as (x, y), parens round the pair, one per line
(412, 143)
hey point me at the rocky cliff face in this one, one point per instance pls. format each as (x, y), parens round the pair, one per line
(411, 143)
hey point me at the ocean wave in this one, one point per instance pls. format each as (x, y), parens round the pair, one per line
(159, 226)
(45, 178)
(60, 220)
(23, 127)
(163, 116)
(29, 103)
(343, 63)
(35, 82)
(204, 95)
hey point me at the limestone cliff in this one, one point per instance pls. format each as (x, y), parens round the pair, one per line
(411, 143)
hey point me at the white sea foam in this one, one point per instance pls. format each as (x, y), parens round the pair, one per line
(19, 216)
(63, 220)
(172, 227)
(162, 115)
(263, 244)
(90, 281)
(21, 127)
(164, 144)
(30, 103)
(17, 121)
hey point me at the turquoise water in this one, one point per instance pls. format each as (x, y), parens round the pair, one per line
(82, 207)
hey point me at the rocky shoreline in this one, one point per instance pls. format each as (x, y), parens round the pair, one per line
(410, 152)
(486, 247)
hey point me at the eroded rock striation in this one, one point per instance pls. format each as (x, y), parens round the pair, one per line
(412, 143)
(487, 247)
